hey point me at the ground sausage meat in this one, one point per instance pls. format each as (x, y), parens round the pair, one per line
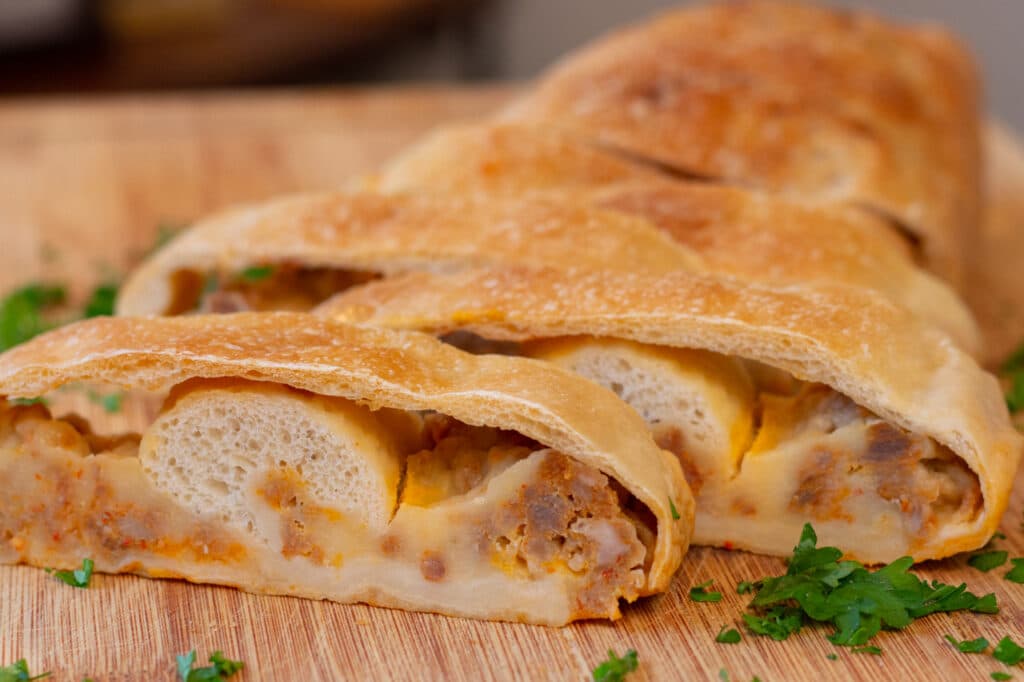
(458, 458)
(570, 517)
(566, 517)
(66, 495)
(854, 456)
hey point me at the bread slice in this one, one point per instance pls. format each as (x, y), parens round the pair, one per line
(349, 457)
(699, 405)
(298, 456)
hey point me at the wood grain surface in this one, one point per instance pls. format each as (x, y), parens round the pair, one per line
(83, 187)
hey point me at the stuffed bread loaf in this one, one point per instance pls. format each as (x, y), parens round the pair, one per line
(784, 404)
(299, 456)
(794, 154)
(777, 141)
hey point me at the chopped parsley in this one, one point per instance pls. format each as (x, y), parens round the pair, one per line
(699, 593)
(873, 650)
(858, 603)
(221, 668)
(79, 577)
(24, 312)
(986, 561)
(110, 402)
(18, 672)
(1008, 652)
(1013, 369)
(744, 587)
(1001, 676)
(28, 401)
(615, 669)
(101, 302)
(1016, 574)
(832, 657)
(728, 636)
(1015, 393)
(968, 646)
(777, 622)
(33, 309)
(675, 512)
(257, 273)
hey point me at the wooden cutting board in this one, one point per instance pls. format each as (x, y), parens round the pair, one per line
(83, 189)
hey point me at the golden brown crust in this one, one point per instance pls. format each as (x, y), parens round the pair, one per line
(812, 102)
(738, 231)
(851, 340)
(381, 368)
(368, 232)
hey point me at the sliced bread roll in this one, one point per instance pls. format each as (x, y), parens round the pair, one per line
(212, 440)
(845, 412)
(294, 252)
(298, 456)
(697, 403)
(737, 230)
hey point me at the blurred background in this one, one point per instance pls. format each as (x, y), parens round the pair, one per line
(89, 46)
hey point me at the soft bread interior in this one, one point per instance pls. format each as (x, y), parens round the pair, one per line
(699, 405)
(215, 442)
(765, 452)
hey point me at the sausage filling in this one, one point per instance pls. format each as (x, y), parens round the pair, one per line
(565, 517)
(266, 288)
(855, 460)
(475, 504)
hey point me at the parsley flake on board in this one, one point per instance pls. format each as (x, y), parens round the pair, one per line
(1015, 574)
(221, 668)
(728, 636)
(873, 650)
(1008, 652)
(18, 672)
(744, 586)
(699, 593)
(79, 577)
(778, 622)
(101, 301)
(615, 669)
(986, 561)
(257, 273)
(968, 646)
(1001, 676)
(23, 312)
(858, 603)
(832, 657)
